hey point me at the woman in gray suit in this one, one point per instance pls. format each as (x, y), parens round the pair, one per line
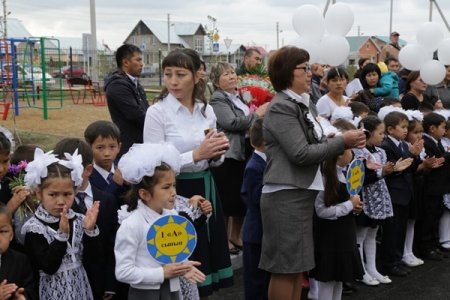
(234, 119)
(295, 147)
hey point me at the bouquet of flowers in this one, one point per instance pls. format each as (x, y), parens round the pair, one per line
(255, 88)
(16, 181)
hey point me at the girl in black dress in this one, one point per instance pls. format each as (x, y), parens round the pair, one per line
(336, 254)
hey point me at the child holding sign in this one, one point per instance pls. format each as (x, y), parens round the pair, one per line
(151, 169)
(336, 254)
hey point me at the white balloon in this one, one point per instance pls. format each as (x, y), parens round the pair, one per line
(339, 19)
(313, 48)
(412, 56)
(432, 72)
(335, 49)
(444, 52)
(429, 35)
(308, 22)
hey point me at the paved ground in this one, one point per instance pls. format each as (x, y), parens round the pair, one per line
(430, 281)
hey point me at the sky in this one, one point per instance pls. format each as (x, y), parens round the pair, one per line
(247, 22)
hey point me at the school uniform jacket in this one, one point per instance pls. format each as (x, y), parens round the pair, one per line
(15, 268)
(437, 180)
(97, 180)
(400, 184)
(251, 195)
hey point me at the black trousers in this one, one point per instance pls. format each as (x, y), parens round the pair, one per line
(427, 227)
(256, 281)
(393, 238)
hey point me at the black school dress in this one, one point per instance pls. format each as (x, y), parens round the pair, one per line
(336, 254)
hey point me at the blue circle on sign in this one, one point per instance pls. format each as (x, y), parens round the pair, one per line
(355, 177)
(171, 239)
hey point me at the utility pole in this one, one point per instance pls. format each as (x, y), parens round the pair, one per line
(278, 35)
(5, 30)
(390, 18)
(93, 48)
(168, 33)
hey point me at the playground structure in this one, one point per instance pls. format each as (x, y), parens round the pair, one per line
(24, 78)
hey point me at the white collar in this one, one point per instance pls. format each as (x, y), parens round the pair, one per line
(262, 154)
(176, 105)
(104, 172)
(45, 216)
(396, 142)
(133, 79)
(303, 98)
(88, 190)
(429, 136)
(149, 214)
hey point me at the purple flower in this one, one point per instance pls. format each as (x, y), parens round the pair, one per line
(14, 169)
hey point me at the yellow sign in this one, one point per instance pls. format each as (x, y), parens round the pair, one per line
(216, 37)
(355, 177)
(171, 239)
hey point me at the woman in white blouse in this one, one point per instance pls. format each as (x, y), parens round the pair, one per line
(182, 117)
(234, 119)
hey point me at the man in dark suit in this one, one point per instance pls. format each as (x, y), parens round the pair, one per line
(256, 281)
(99, 263)
(127, 101)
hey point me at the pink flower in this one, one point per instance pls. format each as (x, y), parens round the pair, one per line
(22, 165)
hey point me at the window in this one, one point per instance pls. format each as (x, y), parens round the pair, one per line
(198, 46)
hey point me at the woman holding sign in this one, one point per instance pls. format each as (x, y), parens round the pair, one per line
(295, 147)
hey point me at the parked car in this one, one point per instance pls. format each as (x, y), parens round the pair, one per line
(65, 72)
(148, 71)
(25, 75)
(35, 74)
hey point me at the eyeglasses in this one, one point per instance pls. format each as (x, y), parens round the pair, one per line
(306, 68)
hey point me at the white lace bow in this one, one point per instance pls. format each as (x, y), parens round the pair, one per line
(37, 169)
(142, 159)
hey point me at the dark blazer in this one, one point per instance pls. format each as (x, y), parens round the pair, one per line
(231, 121)
(100, 268)
(400, 184)
(127, 106)
(437, 180)
(293, 157)
(251, 195)
(97, 180)
(16, 268)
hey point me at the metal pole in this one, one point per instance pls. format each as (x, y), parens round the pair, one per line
(278, 35)
(430, 15)
(442, 15)
(94, 73)
(326, 7)
(5, 29)
(390, 18)
(160, 71)
(168, 32)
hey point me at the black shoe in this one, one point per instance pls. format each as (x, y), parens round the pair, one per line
(347, 288)
(442, 253)
(444, 250)
(397, 271)
(405, 268)
(433, 255)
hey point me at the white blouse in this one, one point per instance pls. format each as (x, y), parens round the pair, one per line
(169, 121)
(134, 265)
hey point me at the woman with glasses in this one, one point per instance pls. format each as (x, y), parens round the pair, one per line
(295, 147)
(415, 97)
(337, 80)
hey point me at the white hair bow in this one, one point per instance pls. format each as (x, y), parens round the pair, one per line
(142, 159)
(74, 162)
(37, 169)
